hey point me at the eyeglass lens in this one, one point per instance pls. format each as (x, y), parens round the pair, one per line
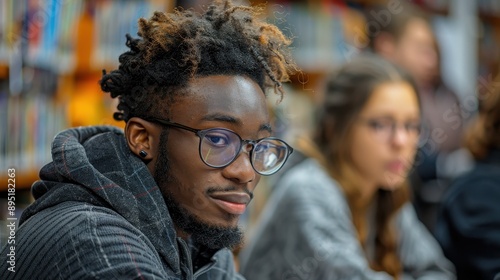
(219, 147)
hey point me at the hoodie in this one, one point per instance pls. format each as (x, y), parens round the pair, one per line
(99, 214)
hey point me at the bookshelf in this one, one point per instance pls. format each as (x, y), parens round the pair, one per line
(51, 56)
(321, 31)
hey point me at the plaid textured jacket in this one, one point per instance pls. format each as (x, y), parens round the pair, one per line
(99, 214)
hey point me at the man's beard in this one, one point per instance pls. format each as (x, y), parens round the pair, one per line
(202, 233)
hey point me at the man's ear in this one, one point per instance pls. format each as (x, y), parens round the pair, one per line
(385, 45)
(141, 137)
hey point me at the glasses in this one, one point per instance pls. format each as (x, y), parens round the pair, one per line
(385, 129)
(219, 147)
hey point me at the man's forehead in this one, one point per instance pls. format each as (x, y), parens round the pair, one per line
(228, 99)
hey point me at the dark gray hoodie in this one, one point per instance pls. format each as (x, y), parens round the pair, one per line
(99, 214)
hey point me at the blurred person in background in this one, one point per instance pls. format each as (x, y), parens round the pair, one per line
(406, 38)
(343, 212)
(468, 226)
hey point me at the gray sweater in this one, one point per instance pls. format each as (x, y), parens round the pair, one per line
(306, 232)
(99, 214)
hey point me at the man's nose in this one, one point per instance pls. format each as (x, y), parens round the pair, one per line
(241, 169)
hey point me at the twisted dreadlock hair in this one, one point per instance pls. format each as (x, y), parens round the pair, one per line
(176, 47)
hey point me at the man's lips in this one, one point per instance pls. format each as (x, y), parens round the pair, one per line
(231, 202)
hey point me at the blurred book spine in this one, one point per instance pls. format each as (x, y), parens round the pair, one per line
(317, 32)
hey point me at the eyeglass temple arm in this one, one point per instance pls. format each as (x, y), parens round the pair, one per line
(169, 123)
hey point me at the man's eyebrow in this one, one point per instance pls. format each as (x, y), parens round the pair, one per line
(228, 119)
(221, 118)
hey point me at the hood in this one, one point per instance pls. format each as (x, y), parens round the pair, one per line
(94, 165)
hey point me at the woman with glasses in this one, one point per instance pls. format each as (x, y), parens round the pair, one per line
(344, 212)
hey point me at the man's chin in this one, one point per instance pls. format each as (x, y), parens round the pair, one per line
(202, 232)
(215, 237)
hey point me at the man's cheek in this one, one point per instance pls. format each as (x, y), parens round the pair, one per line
(197, 200)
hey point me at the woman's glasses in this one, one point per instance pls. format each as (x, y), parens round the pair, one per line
(385, 129)
(219, 147)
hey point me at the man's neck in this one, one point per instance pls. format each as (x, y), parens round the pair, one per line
(182, 234)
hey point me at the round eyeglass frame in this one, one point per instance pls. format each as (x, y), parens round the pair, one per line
(202, 132)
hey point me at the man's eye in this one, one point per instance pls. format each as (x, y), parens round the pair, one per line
(263, 146)
(217, 140)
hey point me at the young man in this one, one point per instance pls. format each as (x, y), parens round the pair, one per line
(162, 199)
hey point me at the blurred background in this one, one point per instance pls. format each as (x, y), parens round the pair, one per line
(52, 53)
